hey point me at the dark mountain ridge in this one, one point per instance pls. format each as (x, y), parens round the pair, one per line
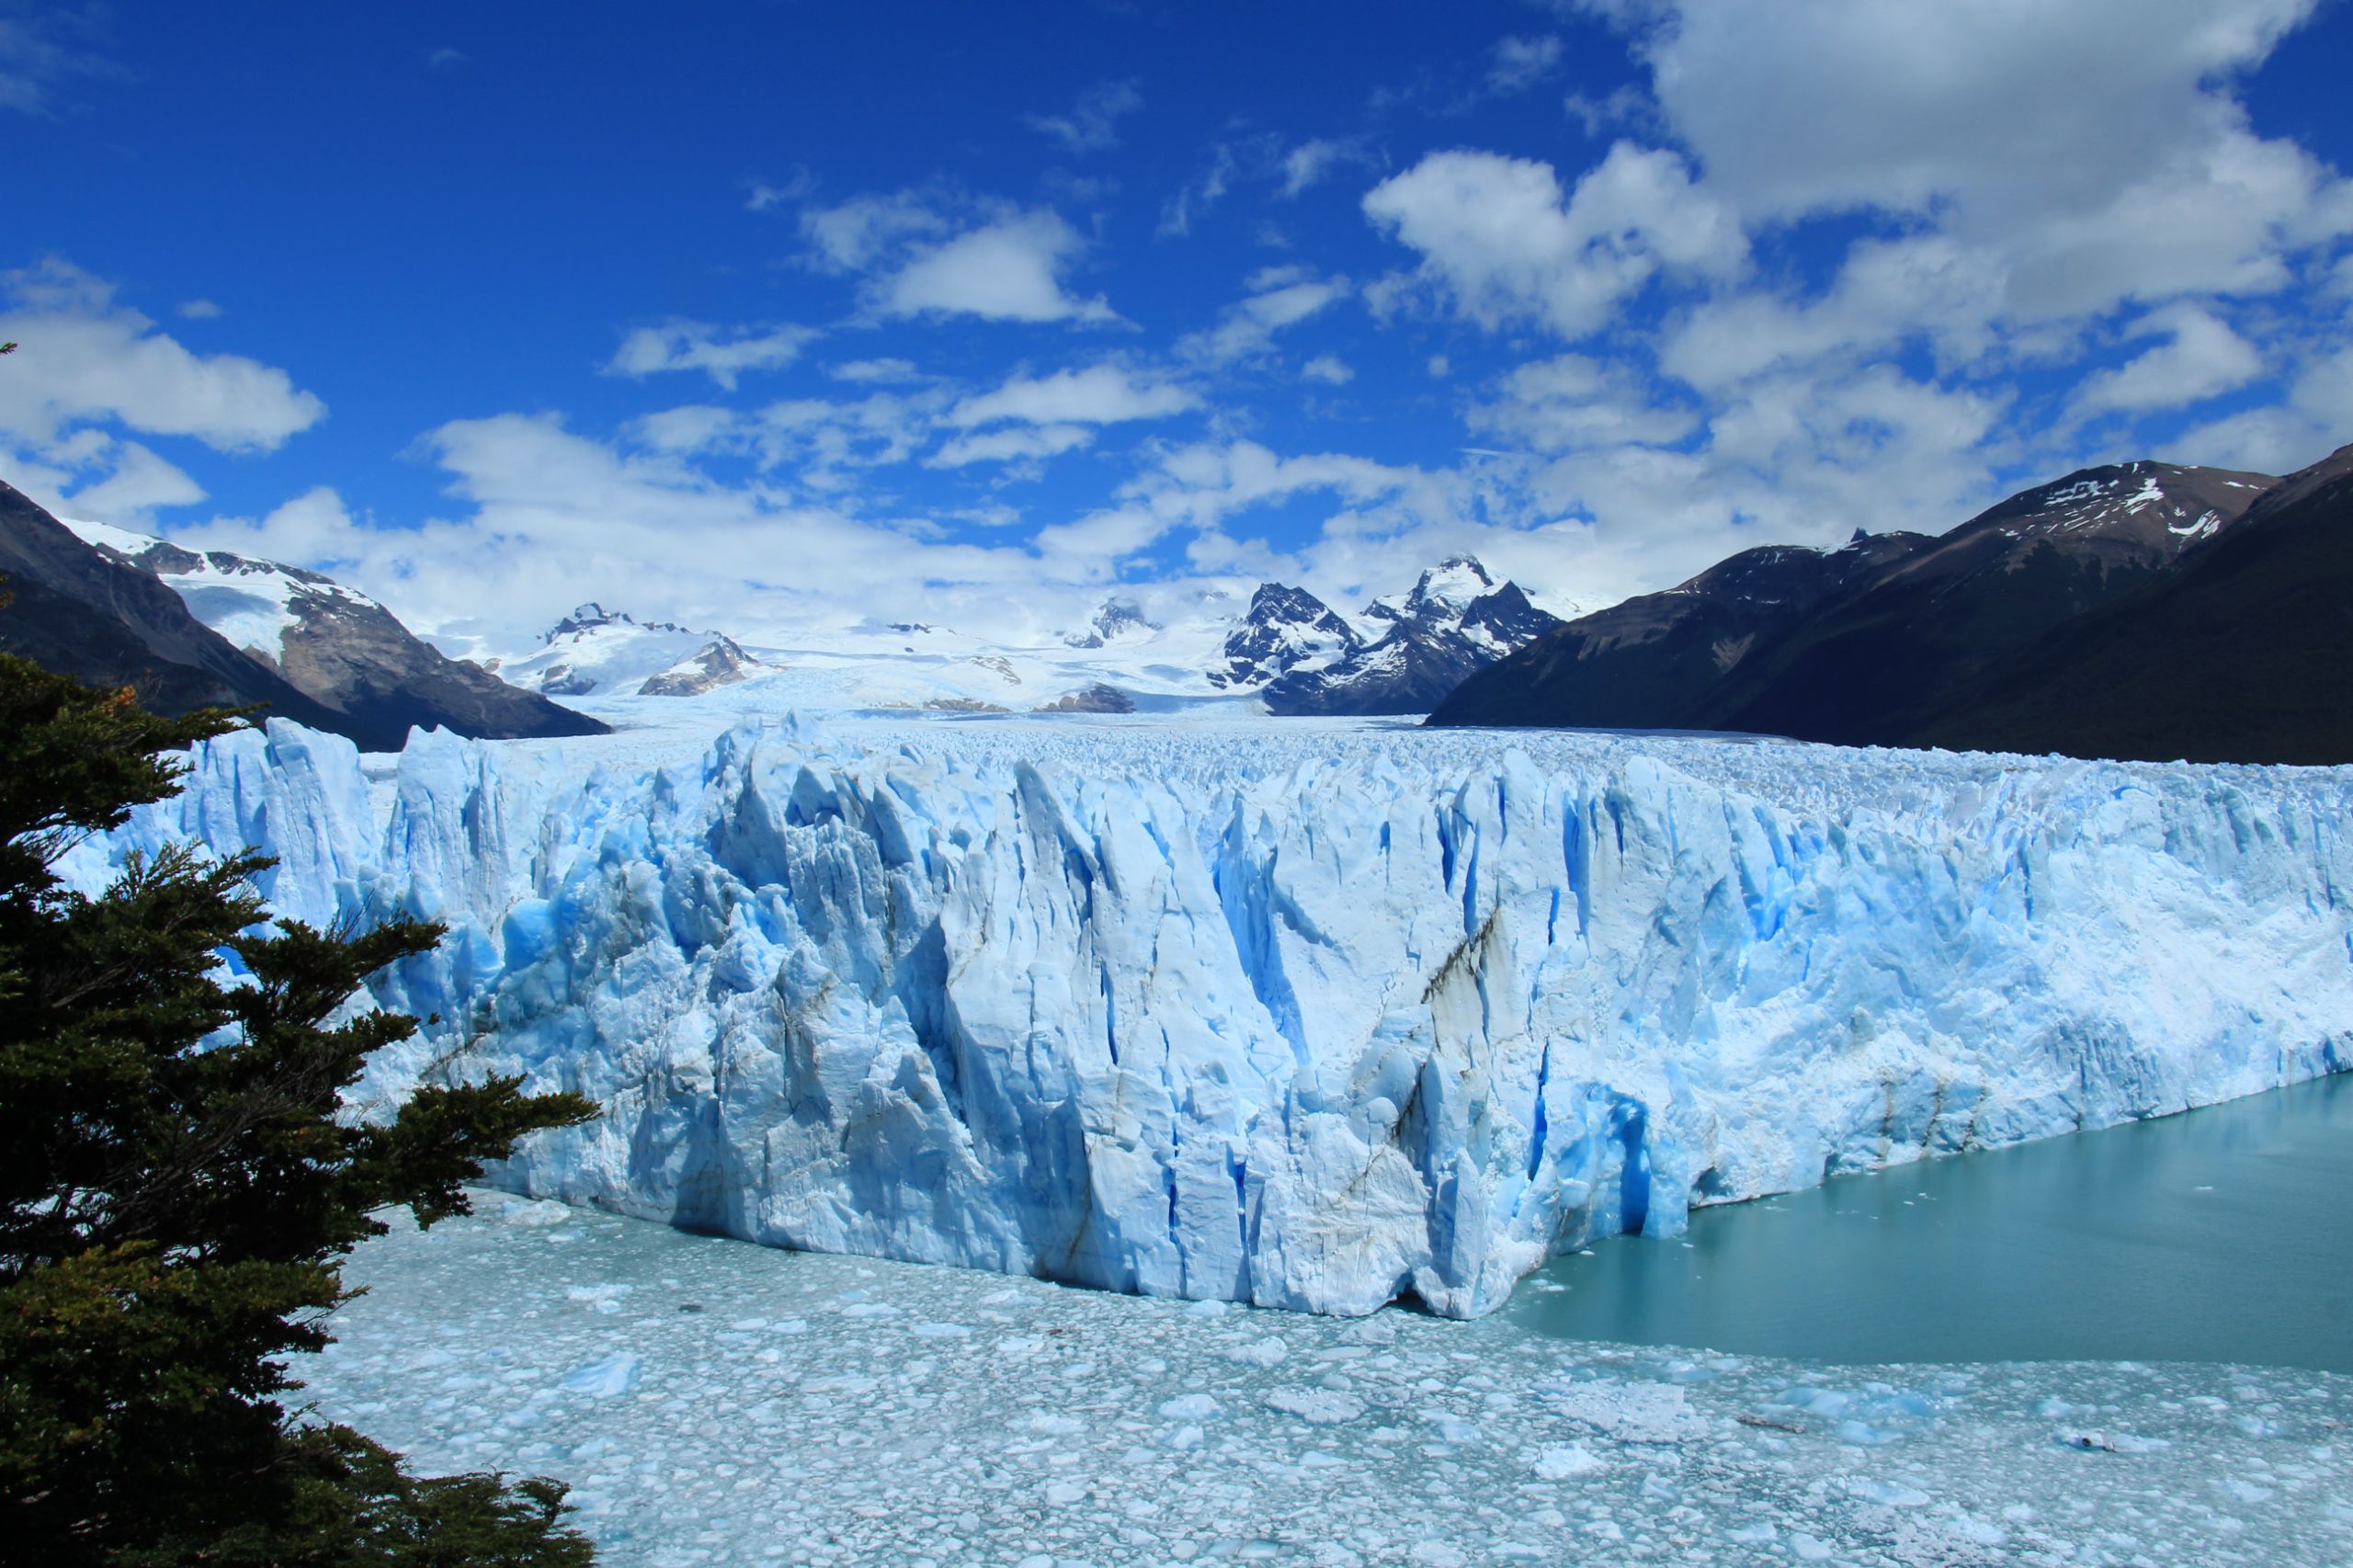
(1857, 646)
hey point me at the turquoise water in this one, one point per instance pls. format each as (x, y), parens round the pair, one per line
(2223, 1235)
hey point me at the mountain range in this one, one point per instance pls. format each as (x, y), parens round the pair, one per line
(1971, 638)
(187, 629)
(1305, 659)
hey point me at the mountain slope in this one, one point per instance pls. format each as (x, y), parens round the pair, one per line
(2243, 654)
(76, 610)
(337, 646)
(1854, 646)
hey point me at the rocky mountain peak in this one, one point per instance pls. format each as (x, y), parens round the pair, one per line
(1119, 621)
(1284, 628)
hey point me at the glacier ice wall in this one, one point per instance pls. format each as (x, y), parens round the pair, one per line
(1306, 1017)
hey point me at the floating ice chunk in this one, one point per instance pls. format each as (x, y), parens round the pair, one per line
(1189, 1407)
(1260, 1353)
(2245, 1490)
(1886, 1494)
(602, 1380)
(940, 1331)
(1560, 1461)
(1322, 1407)
(1632, 1413)
(547, 1212)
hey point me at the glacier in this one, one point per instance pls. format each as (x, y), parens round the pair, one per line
(1314, 1016)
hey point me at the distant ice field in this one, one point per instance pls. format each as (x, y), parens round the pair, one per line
(1305, 1013)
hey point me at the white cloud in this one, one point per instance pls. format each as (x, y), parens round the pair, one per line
(1308, 163)
(1199, 194)
(722, 353)
(1099, 394)
(1574, 402)
(41, 53)
(1520, 63)
(1887, 291)
(1507, 245)
(1281, 297)
(1329, 369)
(85, 359)
(445, 59)
(1011, 444)
(855, 234)
(877, 372)
(2080, 145)
(2201, 358)
(1006, 270)
(546, 517)
(197, 309)
(2311, 422)
(1093, 124)
(138, 482)
(762, 197)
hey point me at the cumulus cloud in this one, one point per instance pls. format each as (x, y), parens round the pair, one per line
(2200, 357)
(1100, 394)
(1093, 124)
(1502, 240)
(1008, 270)
(722, 353)
(86, 359)
(2080, 146)
(1328, 369)
(1572, 403)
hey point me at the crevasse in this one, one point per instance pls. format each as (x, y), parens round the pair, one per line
(1309, 1017)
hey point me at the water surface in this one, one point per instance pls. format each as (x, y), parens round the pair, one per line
(2223, 1235)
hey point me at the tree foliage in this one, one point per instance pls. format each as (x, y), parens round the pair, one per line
(177, 1186)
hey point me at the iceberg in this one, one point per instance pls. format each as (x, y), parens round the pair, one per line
(1314, 1016)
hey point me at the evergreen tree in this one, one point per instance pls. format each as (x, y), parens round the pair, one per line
(177, 1190)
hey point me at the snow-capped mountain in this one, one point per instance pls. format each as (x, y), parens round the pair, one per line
(1858, 645)
(1285, 628)
(335, 645)
(1119, 621)
(607, 653)
(1456, 621)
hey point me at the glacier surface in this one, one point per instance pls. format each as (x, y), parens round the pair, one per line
(1312, 1016)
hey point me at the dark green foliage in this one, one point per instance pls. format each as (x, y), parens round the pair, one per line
(176, 1190)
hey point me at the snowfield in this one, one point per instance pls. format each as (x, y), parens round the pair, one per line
(1310, 1015)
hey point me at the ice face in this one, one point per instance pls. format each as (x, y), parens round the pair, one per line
(713, 1402)
(1308, 1016)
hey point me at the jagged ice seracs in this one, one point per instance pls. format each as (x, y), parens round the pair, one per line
(1312, 1015)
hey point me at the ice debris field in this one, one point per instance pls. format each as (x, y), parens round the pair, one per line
(1314, 1015)
(714, 1402)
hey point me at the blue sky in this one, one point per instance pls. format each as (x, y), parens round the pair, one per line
(780, 315)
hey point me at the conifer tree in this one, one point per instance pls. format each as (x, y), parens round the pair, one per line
(177, 1188)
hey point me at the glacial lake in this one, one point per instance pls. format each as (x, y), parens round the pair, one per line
(2223, 1235)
